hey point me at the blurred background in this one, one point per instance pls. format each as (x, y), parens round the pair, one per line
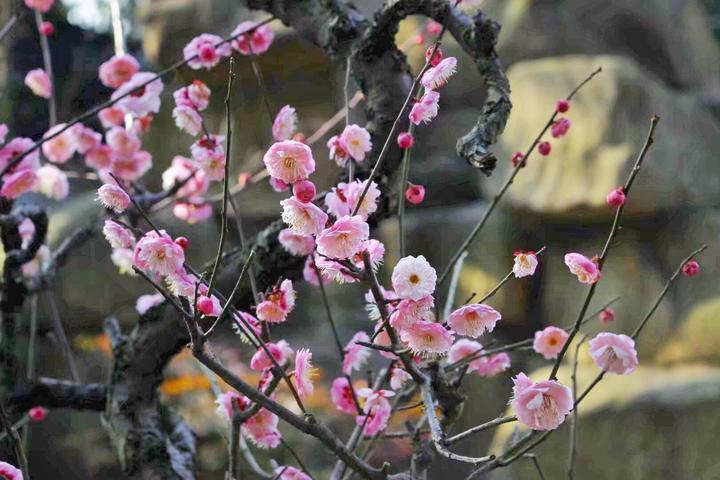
(658, 56)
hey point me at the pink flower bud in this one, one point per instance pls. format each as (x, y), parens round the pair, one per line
(299, 137)
(437, 57)
(616, 197)
(47, 29)
(304, 190)
(544, 148)
(405, 140)
(691, 268)
(415, 194)
(563, 106)
(205, 305)
(244, 178)
(37, 414)
(183, 242)
(607, 315)
(517, 158)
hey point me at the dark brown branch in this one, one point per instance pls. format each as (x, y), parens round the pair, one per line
(55, 394)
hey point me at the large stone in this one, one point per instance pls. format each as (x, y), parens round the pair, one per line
(697, 338)
(655, 423)
(610, 118)
(673, 39)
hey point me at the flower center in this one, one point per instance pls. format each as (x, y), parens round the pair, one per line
(138, 92)
(288, 162)
(414, 278)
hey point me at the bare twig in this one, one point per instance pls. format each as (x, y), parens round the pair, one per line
(15, 441)
(611, 236)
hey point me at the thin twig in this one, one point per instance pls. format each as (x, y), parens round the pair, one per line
(62, 338)
(226, 179)
(47, 64)
(611, 236)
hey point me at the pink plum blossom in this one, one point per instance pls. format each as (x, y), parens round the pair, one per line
(304, 372)
(310, 274)
(196, 95)
(277, 304)
(61, 147)
(342, 397)
(85, 138)
(525, 264)
(542, 405)
(399, 378)
(146, 302)
(133, 166)
(344, 197)
(17, 183)
(261, 361)
(409, 311)
(7, 471)
(180, 169)
(158, 253)
(258, 41)
(426, 109)
(427, 338)
(16, 147)
(123, 142)
(143, 97)
(39, 82)
(111, 117)
(42, 6)
(118, 70)
(413, 278)
(376, 251)
(464, 348)
(560, 127)
(262, 429)
(52, 182)
(290, 473)
(203, 51)
(303, 218)
(491, 365)
(296, 244)
(187, 119)
(607, 315)
(356, 142)
(284, 124)
(377, 409)
(289, 161)
(585, 269)
(550, 341)
(438, 76)
(100, 157)
(278, 185)
(113, 197)
(355, 355)
(474, 320)
(123, 259)
(614, 353)
(337, 152)
(343, 238)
